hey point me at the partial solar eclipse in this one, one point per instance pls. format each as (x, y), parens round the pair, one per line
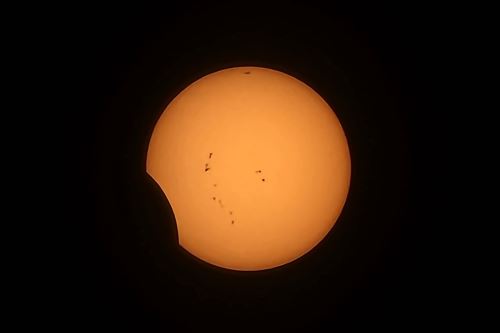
(255, 166)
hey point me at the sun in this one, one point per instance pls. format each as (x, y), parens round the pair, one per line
(255, 165)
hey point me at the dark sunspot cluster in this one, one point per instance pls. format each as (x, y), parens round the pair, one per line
(214, 198)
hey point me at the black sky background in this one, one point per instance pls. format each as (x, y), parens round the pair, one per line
(378, 268)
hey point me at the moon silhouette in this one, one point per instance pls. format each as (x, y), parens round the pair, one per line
(255, 165)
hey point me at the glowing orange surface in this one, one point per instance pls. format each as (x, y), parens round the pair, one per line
(255, 165)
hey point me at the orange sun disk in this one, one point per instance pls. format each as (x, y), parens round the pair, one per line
(255, 165)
